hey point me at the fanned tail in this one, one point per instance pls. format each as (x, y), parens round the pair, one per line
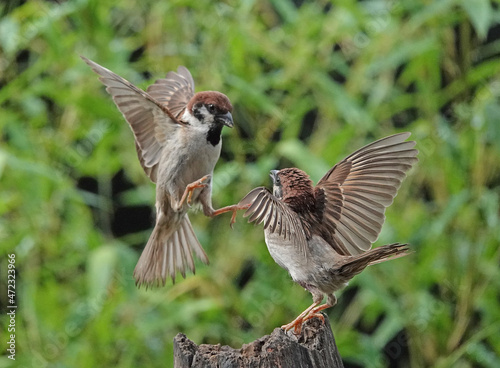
(358, 263)
(167, 252)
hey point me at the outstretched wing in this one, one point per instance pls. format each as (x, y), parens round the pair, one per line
(277, 217)
(354, 194)
(175, 90)
(152, 122)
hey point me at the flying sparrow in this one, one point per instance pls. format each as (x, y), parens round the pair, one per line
(178, 142)
(322, 235)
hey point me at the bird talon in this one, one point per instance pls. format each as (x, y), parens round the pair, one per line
(206, 177)
(188, 192)
(233, 219)
(189, 198)
(233, 208)
(313, 315)
(296, 324)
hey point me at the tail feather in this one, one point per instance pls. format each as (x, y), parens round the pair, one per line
(168, 252)
(193, 241)
(170, 249)
(180, 259)
(390, 251)
(358, 263)
(187, 251)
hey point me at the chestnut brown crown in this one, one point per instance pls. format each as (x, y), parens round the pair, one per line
(218, 100)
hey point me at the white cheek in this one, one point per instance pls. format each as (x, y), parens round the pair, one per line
(208, 118)
(188, 118)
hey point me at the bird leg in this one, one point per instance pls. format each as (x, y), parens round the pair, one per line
(188, 193)
(233, 208)
(297, 322)
(315, 312)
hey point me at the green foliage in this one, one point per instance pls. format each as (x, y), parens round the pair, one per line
(325, 78)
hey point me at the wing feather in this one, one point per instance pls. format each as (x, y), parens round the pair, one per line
(359, 188)
(174, 91)
(151, 121)
(277, 216)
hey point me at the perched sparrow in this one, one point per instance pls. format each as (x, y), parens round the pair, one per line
(322, 235)
(178, 142)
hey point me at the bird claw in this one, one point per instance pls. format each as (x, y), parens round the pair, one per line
(233, 218)
(234, 209)
(312, 311)
(188, 192)
(314, 315)
(190, 195)
(295, 324)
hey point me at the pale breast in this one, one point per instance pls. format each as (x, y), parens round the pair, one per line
(317, 269)
(186, 160)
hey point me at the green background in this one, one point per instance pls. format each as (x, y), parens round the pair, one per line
(310, 83)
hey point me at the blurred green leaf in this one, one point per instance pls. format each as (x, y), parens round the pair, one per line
(101, 266)
(300, 156)
(480, 12)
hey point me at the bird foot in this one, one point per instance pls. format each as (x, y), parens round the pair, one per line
(233, 208)
(313, 315)
(315, 312)
(296, 324)
(311, 312)
(188, 193)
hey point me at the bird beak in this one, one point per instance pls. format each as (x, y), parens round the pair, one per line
(226, 119)
(273, 174)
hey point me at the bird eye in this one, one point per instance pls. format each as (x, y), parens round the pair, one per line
(211, 108)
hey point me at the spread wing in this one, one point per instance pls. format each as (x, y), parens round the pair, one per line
(152, 122)
(174, 91)
(354, 194)
(277, 217)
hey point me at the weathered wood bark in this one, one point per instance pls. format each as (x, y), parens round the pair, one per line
(314, 347)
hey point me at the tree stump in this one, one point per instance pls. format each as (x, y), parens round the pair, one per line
(314, 347)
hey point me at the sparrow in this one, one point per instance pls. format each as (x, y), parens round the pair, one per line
(322, 235)
(178, 142)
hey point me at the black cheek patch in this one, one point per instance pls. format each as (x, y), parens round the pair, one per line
(213, 135)
(197, 113)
